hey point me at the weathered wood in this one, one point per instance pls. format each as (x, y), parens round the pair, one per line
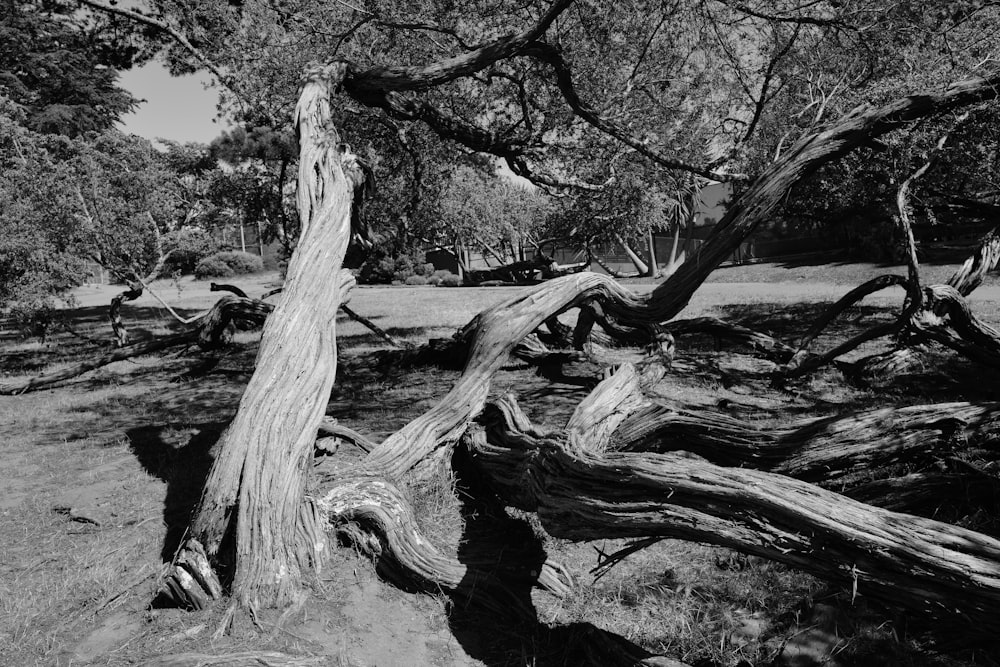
(256, 485)
(238, 659)
(598, 415)
(495, 334)
(52, 378)
(407, 555)
(819, 450)
(133, 292)
(773, 348)
(225, 287)
(876, 284)
(371, 326)
(916, 563)
(972, 272)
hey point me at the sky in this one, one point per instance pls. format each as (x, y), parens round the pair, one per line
(175, 108)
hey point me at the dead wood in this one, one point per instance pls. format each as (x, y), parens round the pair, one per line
(823, 451)
(876, 284)
(405, 554)
(224, 287)
(240, 659)
(972, 272)
(495, 333)
(917, 563)
(53, 378)
(211, 332)
(133, 292)
(364, 321)
(773, 348)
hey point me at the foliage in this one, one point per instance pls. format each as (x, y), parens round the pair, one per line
(415, 280)
(854, 200)
(213, 267)
(228, 263)
(450, 280)
(59, 68)
(187, 246)
(487, 211)
(380, 268)
(257, 187)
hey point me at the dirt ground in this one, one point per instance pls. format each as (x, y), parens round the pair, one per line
(98, 477)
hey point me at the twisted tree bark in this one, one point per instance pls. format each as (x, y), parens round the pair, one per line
(254, 494)
(580, 494)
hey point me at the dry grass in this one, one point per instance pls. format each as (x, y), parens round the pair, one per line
(125, 446)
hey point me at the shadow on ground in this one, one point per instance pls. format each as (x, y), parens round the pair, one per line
(183, 464)
(492, 614)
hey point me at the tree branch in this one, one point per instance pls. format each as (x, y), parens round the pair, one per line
(552, 56)
(383, 79)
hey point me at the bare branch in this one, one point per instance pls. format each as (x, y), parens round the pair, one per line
(382, 79)
(175, 34)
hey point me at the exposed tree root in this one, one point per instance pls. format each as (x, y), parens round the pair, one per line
(408, 557)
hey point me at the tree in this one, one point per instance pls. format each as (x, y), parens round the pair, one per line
(256, 490)
(59, 68)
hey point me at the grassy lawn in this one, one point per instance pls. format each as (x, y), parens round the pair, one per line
(98, 478)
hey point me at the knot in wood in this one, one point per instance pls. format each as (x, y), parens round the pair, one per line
(329, 73)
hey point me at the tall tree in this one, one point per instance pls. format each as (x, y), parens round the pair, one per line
(60, 67)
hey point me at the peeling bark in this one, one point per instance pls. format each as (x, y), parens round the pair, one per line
(255, 489)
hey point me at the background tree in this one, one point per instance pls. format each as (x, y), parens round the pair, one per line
(60, 66)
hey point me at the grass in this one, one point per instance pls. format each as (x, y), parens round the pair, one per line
(125, 446)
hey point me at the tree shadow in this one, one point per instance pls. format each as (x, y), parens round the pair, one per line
(492, 614)
(182, 464)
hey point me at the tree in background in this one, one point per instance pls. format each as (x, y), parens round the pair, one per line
(60, 67)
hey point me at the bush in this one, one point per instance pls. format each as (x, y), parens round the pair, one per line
(441, 273)
(380, 269)
(433, 280)
(423, 269)
(213, 267)
(415, 280)
(241, 262)
(450, 280)
(187, 247)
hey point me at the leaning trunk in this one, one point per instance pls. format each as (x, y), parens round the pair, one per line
(255, 490)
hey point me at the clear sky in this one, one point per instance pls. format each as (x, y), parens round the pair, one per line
(175, 108)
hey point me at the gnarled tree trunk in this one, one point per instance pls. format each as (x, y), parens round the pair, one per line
(255, 490)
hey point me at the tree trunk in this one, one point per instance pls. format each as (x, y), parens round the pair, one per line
(254, 492)
(674, 256)
(654, 267)
(640, 266)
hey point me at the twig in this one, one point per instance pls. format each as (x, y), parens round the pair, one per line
(606, 562)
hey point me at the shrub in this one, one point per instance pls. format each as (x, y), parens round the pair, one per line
(441, 273)
(415, 280)
(213, 267)
(450, 280)
(423, 269)
(241, 262)
(187, 247)
(382, 269)
(403, 268)
(433, 280)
